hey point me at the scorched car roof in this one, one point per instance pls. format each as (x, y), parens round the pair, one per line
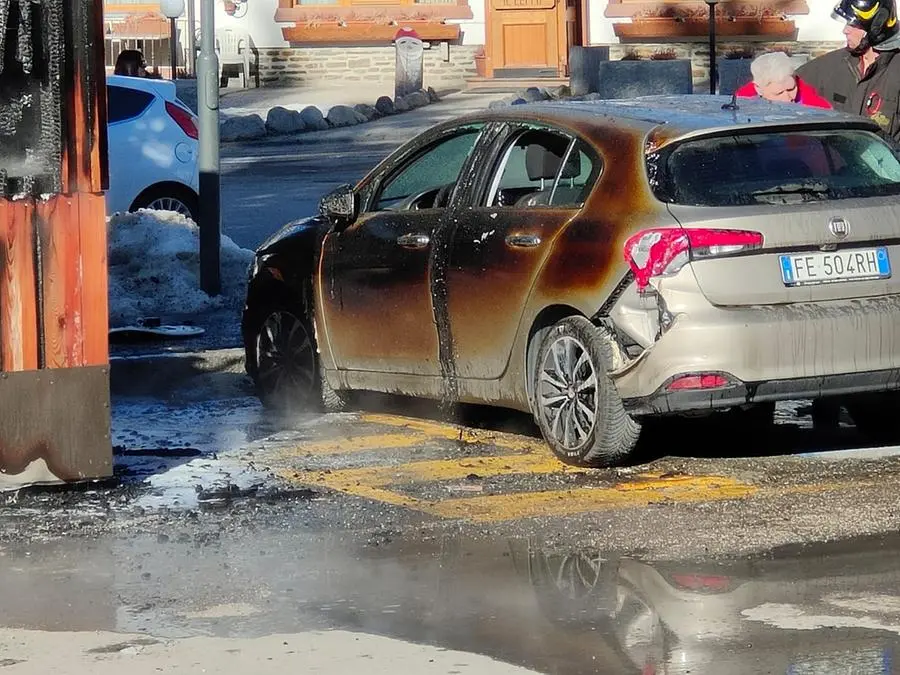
(675, 117)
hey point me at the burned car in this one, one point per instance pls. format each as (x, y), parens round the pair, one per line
(598, 264)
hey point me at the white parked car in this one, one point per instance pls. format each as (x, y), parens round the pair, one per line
(152, 148)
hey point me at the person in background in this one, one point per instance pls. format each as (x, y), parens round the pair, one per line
(131, 63)
(774, 80)
(863, 78)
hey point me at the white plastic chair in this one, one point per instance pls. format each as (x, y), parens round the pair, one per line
(234, 49)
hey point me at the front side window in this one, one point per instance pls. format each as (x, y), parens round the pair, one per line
(776, 168)
(542, 168)
(428, 179)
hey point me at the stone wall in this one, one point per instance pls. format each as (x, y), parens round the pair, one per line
(336, 65)
(698, 53)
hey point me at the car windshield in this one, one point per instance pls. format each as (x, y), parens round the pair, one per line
(776, 168)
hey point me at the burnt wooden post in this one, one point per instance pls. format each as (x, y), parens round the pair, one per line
(54, 377)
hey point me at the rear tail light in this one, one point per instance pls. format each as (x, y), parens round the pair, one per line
(664, 251)
(701, 583)
(183, 119)
(699, 381)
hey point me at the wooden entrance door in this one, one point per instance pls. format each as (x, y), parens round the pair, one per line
(524, 37)
(531, 38)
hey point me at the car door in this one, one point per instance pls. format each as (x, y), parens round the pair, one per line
(377, 273)
(126, 167)
(539, 180)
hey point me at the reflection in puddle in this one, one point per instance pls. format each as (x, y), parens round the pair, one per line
(832, 609)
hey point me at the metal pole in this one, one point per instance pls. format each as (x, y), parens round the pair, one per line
(208, 105)
(173, 48)
(712, 47)
(191, 64)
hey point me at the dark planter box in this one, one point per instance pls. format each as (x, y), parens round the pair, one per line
(733, 74)
(584, 65)
(627, 79)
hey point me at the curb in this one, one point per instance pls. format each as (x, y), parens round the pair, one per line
(162, 374)
(429, 95)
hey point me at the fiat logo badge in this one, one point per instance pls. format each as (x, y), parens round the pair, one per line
(839, 227)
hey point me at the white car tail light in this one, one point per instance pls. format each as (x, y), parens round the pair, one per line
(183, 119)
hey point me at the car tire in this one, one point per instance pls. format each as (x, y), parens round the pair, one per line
(875, 416)
(286, 368)
(576, 404)
(169, 198)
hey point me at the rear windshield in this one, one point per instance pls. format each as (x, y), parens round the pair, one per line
(776, 168)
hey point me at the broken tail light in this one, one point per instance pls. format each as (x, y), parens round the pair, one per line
(699, 381)
(701, 583)
(183, 119)
(664, 251)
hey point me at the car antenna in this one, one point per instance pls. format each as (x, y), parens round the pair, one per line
(733, 105)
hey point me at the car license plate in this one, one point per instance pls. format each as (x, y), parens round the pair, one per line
(802, 269)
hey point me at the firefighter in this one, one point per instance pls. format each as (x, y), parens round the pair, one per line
(862, 78)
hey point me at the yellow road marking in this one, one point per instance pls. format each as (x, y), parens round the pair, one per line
(349, 445)
(565, 502)
(428, 427)
(351, 480)
(420, 432)
(372, 482)
(465, 434)
(531, 456)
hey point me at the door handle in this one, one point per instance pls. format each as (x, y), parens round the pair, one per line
(413, 240)
(523, 240)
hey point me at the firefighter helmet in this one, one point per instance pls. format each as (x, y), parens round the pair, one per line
(877, 17)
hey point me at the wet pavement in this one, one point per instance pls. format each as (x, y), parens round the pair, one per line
(715, 553)
(695, 488)
(818, 609)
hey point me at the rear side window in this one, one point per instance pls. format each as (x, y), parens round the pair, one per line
(776, 168)
(543, 168)
(576, 181)
(126, 104)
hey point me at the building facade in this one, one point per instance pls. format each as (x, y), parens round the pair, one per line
(346, 41)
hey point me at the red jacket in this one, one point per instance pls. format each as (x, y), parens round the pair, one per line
(806, 94)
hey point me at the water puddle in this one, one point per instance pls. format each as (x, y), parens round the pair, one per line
(821, 609)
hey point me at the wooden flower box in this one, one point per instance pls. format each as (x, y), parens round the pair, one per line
(662, 28)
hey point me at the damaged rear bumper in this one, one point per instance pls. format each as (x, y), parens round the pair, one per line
(665, 402)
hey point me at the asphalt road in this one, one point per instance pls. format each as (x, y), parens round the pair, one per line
(231, 537)
(267, 184)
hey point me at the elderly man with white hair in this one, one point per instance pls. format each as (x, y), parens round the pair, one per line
(774, 80)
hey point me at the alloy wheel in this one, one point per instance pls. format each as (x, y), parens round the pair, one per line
(285, 357)
(567, 393)
(170, 204)
(578, 574)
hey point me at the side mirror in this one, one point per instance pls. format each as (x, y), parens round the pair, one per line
(340, 206)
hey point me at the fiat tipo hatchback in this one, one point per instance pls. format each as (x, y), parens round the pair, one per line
(598, 264)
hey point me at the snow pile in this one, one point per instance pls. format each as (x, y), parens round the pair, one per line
(154, 268)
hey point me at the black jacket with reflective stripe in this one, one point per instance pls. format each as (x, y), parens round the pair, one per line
(875, 95)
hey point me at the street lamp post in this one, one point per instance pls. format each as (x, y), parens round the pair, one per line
(712, 45)
(208, 108)
(172, 9)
